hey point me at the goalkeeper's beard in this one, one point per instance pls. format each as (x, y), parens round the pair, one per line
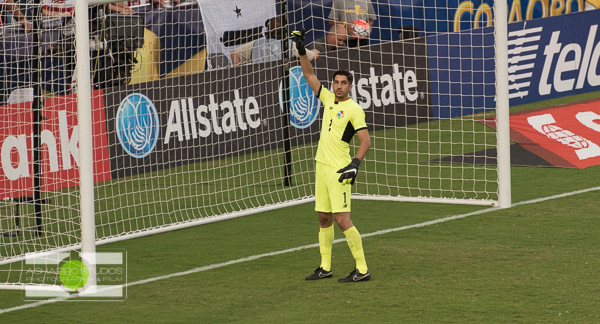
(342, 96)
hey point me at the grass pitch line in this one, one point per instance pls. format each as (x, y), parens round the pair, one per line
(478, 212)
(304, 247)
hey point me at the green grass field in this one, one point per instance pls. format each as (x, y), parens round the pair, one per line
(537, 261)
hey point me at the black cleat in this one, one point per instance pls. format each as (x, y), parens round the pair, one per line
(356, 276)
(320, 274)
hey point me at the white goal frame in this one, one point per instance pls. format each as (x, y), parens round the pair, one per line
(84, 103)
(85, 130)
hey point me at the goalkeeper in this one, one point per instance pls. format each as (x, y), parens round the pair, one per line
(335, 170)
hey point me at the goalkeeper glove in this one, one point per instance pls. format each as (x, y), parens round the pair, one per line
(299, 42)
(349, 173)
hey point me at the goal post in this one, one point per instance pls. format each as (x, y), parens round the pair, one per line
(196, 112)
(86, 143)
(502, 104)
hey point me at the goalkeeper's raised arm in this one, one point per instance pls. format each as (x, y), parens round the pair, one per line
(307, 69)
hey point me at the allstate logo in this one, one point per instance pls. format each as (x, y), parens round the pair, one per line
(304, 103)
(137, 125)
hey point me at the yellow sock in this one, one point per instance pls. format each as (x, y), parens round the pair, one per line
(326, 236)
(355, 244)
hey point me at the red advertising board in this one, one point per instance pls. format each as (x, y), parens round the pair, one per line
(566, 136)
(60, 145)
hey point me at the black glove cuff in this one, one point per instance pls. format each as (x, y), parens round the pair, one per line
(355, 162)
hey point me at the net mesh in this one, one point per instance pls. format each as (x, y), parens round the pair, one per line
(200, 110)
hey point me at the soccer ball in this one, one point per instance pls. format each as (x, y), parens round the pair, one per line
(360, 29)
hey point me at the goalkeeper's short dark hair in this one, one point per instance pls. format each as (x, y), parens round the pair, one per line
(344, 73)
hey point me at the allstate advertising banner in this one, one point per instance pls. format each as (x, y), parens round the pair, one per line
(392, 86)
(199, 117)
(233, 111)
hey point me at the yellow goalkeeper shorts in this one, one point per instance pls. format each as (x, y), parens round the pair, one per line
(330, 195)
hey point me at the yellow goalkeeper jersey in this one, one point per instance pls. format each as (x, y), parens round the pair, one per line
(340, 121)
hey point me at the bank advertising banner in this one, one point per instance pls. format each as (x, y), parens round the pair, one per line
(60, 146)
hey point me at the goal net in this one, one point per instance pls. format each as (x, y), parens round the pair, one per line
(199, 112)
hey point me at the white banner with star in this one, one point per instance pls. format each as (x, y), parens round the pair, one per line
(222, 19)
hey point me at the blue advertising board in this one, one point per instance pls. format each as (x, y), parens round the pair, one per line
(556, 57)
(462, 72)
(547, 58)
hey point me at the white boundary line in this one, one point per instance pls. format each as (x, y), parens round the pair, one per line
(304, 247)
